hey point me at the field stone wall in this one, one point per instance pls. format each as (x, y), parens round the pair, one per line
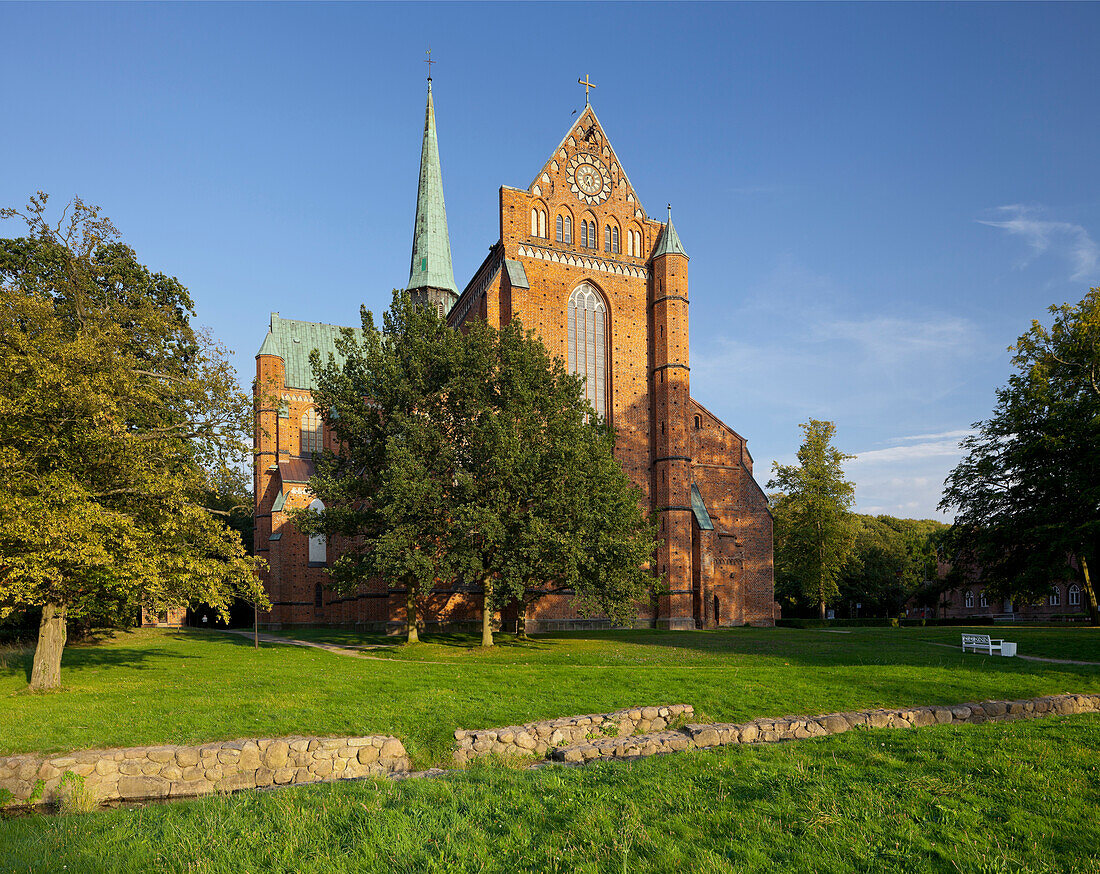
(798, 727)
(187, 771)
(538, 738)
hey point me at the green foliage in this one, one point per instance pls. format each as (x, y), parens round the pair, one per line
(75, 796)
(1028, 490)
(116, 420)
(890, 560)
(1004, 797)
(476, 462)
(814, 533)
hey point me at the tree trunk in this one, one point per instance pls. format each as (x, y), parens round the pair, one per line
(410, 617)
(52, 630)
(821, 608)
(1090, 592)
(521, 624)
(487, 612)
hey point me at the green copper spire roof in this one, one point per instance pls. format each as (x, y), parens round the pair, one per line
(669, 242)
(431, 251)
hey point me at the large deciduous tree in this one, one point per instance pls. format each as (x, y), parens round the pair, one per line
(1028, 490)
(117, 419)
(814, 533)
(473, 459)
(891, 560)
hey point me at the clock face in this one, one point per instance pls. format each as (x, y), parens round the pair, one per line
(589, 179)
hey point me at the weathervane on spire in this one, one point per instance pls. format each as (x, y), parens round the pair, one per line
(429, 62)
(586, 85)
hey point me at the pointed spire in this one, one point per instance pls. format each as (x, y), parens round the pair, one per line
(669, 242)
(431, 251)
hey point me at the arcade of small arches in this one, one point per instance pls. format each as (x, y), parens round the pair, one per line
(589, 232)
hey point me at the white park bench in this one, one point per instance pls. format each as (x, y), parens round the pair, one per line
(985, 642)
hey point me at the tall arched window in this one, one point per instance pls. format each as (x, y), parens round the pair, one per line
(567, 222)
(969, 601)
(607, 238)
(592, 244)
(311, 431)
(615, 240)
(559, 231)
(534, 222)
(1074, 595)
(542, 223)
(588, 343)
(318, 548)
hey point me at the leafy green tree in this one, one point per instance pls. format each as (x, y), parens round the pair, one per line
(473, 458)
(814, 533)
(116, 420)
(1028, 489)
(890, 560)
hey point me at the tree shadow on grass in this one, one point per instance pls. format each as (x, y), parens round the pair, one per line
(86, 657)
(815, 648)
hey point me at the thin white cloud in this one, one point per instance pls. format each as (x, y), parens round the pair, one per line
(1064, 238)
(943, 435)
(913, 452)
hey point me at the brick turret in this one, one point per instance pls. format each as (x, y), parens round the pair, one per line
(670, 387)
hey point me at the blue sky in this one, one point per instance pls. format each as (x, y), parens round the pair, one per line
(877, 199)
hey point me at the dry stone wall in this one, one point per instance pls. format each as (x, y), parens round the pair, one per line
(798, 727)
(538, 738)
(188, 771)
(140, 773)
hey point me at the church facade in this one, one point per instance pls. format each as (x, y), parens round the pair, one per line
(605, 286)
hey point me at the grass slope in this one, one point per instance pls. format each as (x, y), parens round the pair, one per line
(151, 686)
(992, 798)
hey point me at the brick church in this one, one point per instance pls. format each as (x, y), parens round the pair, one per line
(605, 286)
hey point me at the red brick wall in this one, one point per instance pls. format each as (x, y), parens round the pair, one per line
(649, 400)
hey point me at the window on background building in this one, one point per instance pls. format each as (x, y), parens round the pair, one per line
(318, 548)
(311, 432)
(983, 600)
(587, 341)
(1055, 597)
(968, 600)
(318, 597)
(1074, 598)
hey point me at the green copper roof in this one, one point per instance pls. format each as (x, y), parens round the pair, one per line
(669, 243)
(431, 252)
(292, 341)
(700, 509)
(516, 274)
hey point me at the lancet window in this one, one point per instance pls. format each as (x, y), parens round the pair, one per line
(587, 340)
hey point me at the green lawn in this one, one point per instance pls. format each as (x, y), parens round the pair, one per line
(153, 686)
(992, 798)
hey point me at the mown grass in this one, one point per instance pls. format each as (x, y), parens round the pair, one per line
(991, 798)
(158, 686)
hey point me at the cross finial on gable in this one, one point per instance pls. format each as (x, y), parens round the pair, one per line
(586, 85)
